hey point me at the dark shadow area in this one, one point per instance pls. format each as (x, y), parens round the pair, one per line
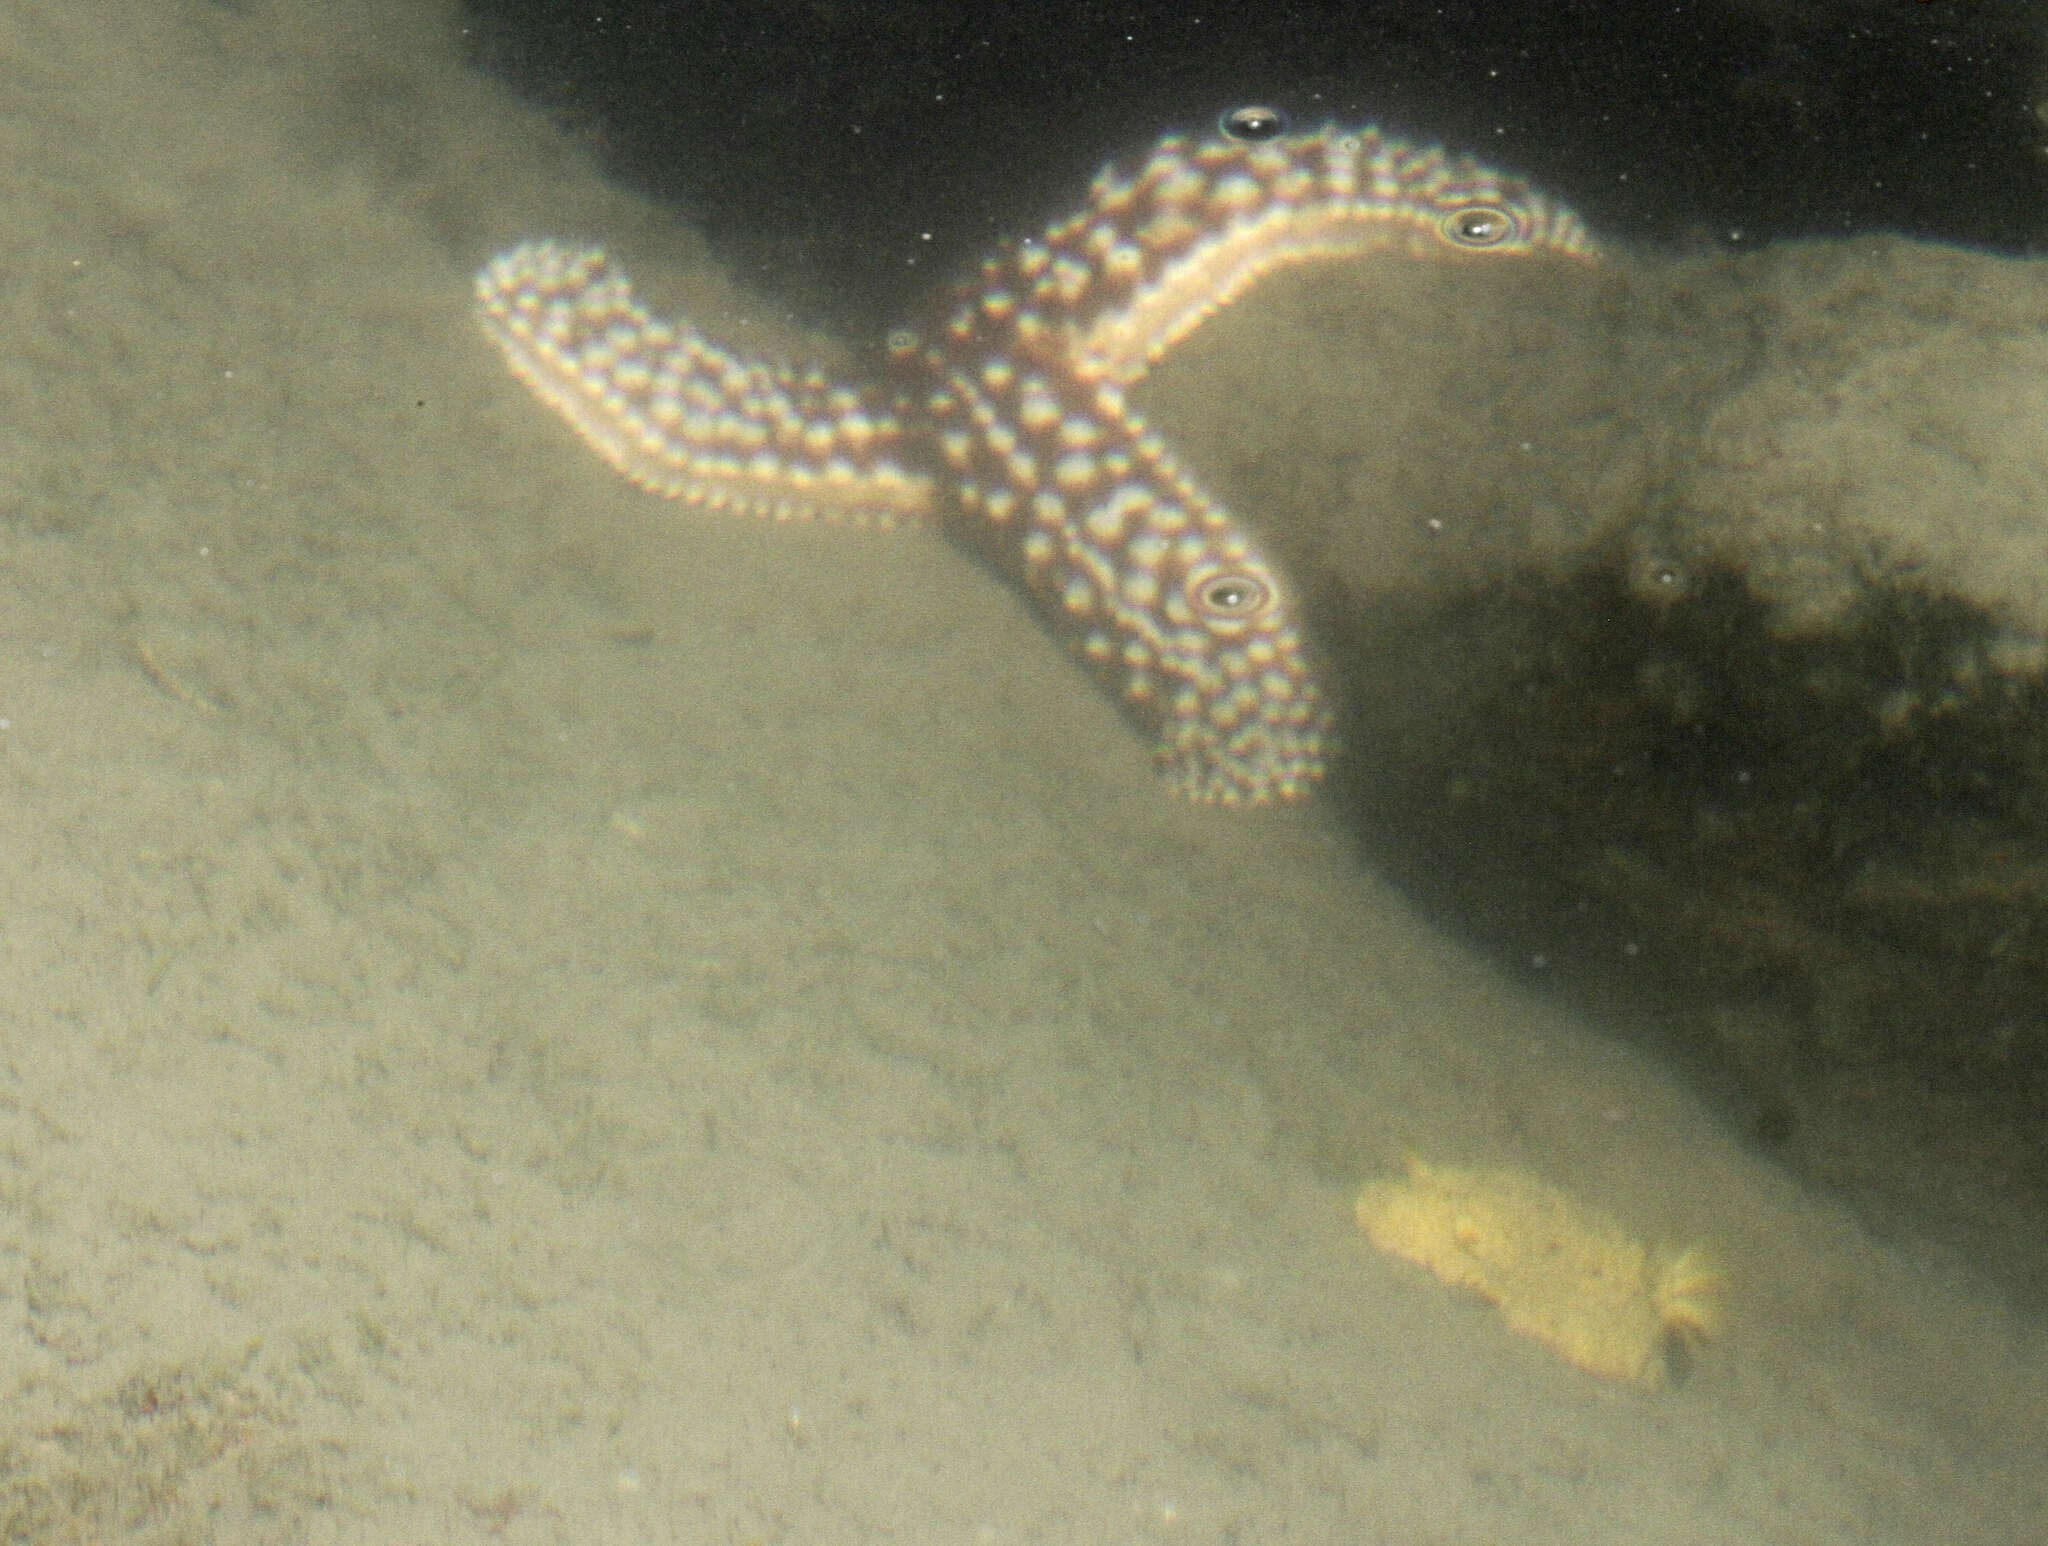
(852, 159)
(1811, 871)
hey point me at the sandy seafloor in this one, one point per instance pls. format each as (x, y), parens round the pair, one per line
(533, 1015)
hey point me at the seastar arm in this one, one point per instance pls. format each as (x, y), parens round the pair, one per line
(682, 417)
(1154, 254)
(1169, 601)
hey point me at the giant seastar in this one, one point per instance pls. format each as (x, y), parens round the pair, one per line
(1010, 418)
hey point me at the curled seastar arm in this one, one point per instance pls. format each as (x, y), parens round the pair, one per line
(1156, 253)
(678, 415)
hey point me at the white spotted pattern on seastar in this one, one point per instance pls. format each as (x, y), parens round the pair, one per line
(1010, 418)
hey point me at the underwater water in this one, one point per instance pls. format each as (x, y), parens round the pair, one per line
(543, 1013)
